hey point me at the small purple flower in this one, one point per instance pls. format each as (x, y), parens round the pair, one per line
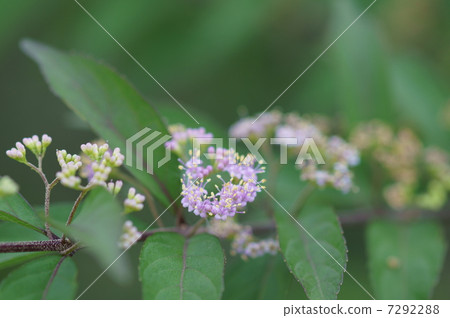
(262, 125)
(231, 195)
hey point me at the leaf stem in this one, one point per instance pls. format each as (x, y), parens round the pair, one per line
(195, 227)
(40, 162)
(38, 171)
(52, 277)
(147, 234)
(302, 198)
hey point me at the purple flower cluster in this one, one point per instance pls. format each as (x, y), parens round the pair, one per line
(231, 195)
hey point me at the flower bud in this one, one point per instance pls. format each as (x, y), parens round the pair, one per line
(36, 146)
(18, 153)
(130, 235)
(115, 187)
(7, 186)
(134, 201)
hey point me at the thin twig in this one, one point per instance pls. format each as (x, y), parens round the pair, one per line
(50, 281)
(148, 196)
(47, 211)
(74, 209)
(53, 183)
(39, 172)
(48, 189)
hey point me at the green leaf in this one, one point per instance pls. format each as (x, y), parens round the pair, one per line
(14, 208)
(4, 216)
(265, 277)
(173, 267)
(30, 280)
(112, 107)
(319, 274)
(12, 232)
(405, 259)
(98, 225)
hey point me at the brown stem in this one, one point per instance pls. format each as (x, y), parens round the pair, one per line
(47, 211)
(34, 246)
(53, 183)
(50, 281)
(263, 227)
(48, 189)
(75, 207)
(152, 206)
(39, 172)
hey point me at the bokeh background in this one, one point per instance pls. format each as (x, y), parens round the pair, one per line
(231, 58)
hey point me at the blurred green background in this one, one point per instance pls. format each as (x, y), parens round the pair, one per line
(230, 58)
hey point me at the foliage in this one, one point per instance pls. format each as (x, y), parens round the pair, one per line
(174, 267)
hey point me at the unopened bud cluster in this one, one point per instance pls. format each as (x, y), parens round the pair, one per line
(130, 235)
(95, 164)
(18, 153)
(134, 202)
(101, 162)
(69, 166)
(37, 146)
(243, 241)
(114, 187)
